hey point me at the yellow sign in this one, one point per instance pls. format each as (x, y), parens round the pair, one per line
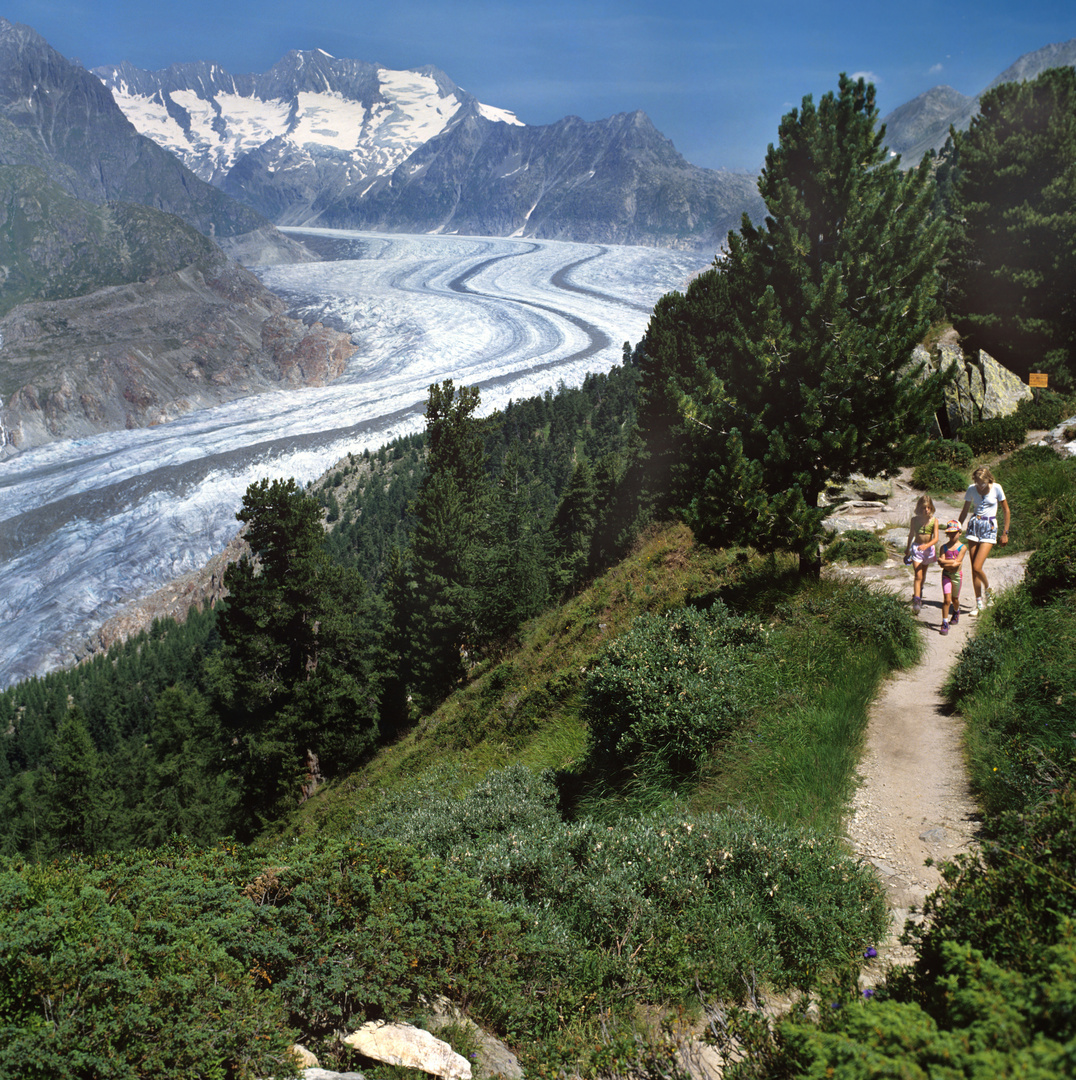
(1037, 378)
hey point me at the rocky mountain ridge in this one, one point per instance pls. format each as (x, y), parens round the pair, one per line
(341, 143)
(923, 123)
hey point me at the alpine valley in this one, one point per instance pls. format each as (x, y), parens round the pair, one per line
(163, 343)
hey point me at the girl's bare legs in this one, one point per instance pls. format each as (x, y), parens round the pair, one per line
(920, 581)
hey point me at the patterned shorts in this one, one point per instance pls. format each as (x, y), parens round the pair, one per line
(983, 530)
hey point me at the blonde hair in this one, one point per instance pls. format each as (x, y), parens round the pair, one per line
(984, 474)
(924, 505)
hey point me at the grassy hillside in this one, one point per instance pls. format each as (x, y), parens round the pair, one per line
(792, 760)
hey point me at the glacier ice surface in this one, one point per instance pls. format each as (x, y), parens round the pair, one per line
(88, 525)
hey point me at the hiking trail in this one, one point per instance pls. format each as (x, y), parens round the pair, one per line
(913, 801)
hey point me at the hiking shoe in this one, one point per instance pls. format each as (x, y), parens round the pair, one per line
(917, 605)
(944, 628)
(956, 616)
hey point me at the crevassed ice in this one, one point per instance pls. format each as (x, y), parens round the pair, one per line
(87, 525)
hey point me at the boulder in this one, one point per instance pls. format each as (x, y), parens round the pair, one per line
(409, 1047)
(303, 1058)
(982, 389)
(493, 1058)
(1002, 390)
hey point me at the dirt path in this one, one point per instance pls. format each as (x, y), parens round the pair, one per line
(914, 802)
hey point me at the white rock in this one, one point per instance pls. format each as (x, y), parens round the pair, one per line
(410, 1047)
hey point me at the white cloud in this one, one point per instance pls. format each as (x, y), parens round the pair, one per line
(937, 69)
(869, 76)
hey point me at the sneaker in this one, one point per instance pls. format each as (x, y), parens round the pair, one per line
(989, 601)
(944, 628)
(956, 616)
(917, 605)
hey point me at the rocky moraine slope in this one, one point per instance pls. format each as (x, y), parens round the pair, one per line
(119, 306)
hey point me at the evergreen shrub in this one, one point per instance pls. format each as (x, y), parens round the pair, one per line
(663, 694)
(1052, 568)
(1046, 410)
(135, 966)
(879, 618)
(947, 451)
(938, 476)
(1041, 487)
(653, 903)
(997, 435)
(856, 546)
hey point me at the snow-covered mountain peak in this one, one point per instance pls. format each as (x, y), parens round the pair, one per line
(309, 105)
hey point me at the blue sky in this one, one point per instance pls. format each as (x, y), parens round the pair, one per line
(714, 76)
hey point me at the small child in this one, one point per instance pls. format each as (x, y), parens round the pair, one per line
(921, 547)
(950, 557)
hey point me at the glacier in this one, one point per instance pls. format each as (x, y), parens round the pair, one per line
(89, 525)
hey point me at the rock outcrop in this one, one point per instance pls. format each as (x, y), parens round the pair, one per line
(982, 389)
(143, 353)
(197, 589)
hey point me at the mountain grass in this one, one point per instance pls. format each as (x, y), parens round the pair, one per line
(830, 645)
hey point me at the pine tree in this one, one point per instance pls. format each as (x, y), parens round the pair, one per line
(513, 562)
(75, 794)
(807, 377)
(294, 673)
(443, 566)
(1014, 250)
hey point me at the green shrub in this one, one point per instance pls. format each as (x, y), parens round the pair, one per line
(1012, 899)
(1052, 569)
(938, 476)
(673, 900)
(1016, 686)
(997, 435)
(947, 452)
(856, 546)
(664, 693)
(367, 929)
(1046, 410)
(991, 992)
(995, 1023)
(141, 966)
(1027, 456)
(878, 618)
(432, 817)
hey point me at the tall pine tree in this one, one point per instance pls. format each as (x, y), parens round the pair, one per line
(1014, 247)
(806, 375)
(437, 594)
(294, 673)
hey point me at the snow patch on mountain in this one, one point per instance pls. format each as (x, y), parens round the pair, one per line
(210, 128)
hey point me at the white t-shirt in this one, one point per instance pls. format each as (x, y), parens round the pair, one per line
(985, 505)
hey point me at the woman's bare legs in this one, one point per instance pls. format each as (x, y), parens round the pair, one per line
(978, 553)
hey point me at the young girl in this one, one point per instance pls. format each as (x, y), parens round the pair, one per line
(950, 556)
(921, 547)
(984, 497)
